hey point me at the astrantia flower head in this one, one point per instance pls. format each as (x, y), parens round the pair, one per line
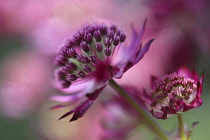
(90, 58)
(174, 93)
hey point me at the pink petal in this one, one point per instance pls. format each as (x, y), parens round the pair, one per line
(68, 98)
(143, 51)
(79, 87)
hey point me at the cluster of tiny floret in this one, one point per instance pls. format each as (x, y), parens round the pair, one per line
(172, 88)
(79, 55)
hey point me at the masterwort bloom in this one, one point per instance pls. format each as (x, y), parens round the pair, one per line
(174, 93)
(90, 58)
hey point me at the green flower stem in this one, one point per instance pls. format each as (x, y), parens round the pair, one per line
(189, 138)
(148, 120)
(181, 127)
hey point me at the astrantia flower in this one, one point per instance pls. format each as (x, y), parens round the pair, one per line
(174, 93)
(90, 58)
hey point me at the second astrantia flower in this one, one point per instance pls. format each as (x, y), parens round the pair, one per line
(89, 59)
(174, 93)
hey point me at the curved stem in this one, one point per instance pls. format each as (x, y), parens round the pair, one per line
(181, 127)
(148, 120)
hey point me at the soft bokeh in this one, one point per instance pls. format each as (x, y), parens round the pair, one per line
(25, 83)
(31, 31)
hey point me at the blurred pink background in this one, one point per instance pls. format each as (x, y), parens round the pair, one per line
(31, 31)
